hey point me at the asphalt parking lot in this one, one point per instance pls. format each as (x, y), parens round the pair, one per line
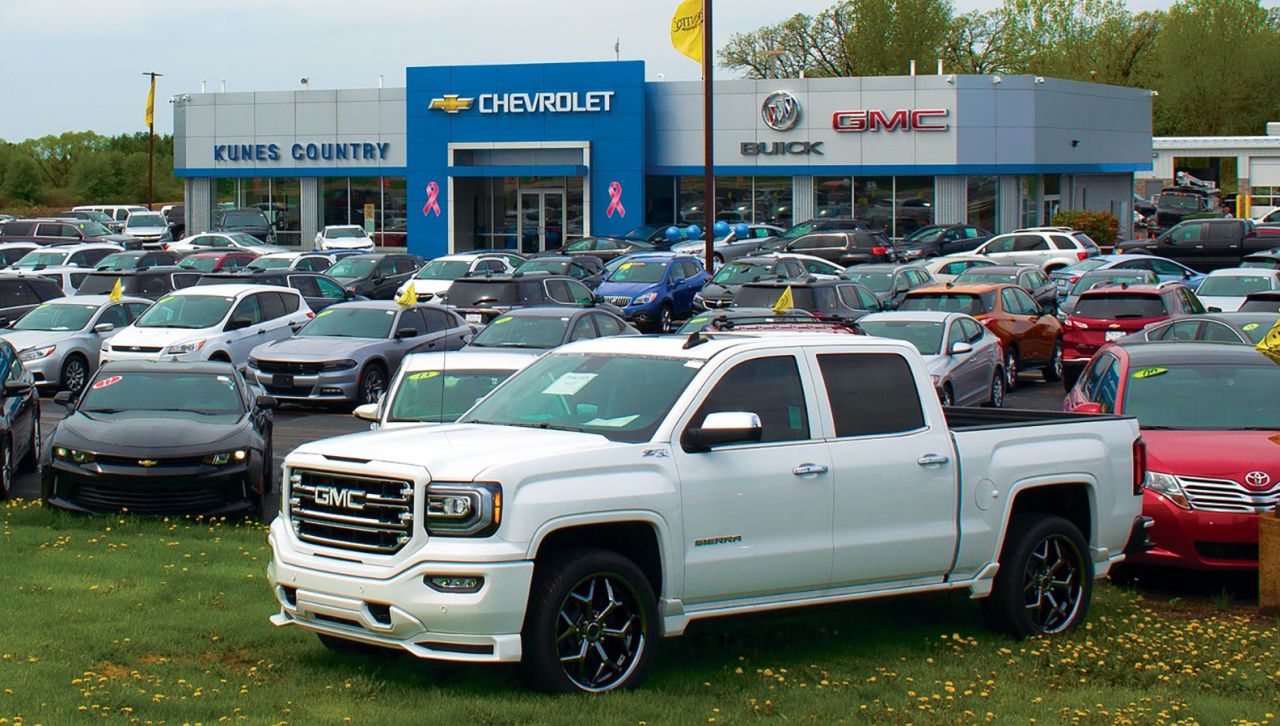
(295, 426)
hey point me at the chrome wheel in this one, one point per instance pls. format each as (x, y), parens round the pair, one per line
(372, 383)
(1052, 584)
(74, 375)
(997, 390)
(600, 632)
(1010, 370)
(664, 320)
(6, 469)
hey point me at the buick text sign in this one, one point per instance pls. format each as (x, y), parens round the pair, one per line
(903, 119)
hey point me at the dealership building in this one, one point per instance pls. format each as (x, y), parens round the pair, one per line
(529, 156)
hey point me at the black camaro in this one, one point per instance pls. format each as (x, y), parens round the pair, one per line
(161, 438)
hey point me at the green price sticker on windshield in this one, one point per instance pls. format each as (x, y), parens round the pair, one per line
(424, 375)
(502, 321)
(1249, 327)
(1150, 372)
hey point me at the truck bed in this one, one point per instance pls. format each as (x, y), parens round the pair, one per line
(979, 419)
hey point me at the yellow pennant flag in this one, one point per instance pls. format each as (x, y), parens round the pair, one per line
(785, 302)
(117, 292)
(408, 298)
(1270, 344)
(686, 29)
(151, 103)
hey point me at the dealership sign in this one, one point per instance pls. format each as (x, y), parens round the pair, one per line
(903, 119)
(349, 151)
(780, 148)
(547, 102)
(780, 111)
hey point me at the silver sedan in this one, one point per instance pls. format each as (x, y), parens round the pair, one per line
(962, 356)
(59, 340)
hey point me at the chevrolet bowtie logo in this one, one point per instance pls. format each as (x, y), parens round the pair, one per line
(147, 463)
(450, 103)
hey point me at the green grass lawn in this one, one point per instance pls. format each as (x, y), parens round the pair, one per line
(155, 621)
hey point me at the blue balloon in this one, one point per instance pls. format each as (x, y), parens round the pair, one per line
(693, 231)
(673, 234)
(721, 229)
(741, 230)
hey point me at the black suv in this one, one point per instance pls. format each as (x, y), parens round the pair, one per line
(1206, 244)
(63, 232)
(152, 283)
(138, 259)
(481, 299)
(1181, 203)
(20, 293)
(376, 276)
(176, 216)
(853, 247)
(586, 268)
(828, 299)
(250, 221)
(320, 291)
(937, 240)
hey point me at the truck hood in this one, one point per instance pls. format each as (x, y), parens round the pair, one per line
(1214, 454)
(317, 348)
(454, 452)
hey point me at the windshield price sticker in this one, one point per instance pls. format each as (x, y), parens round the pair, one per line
(1249, 327)
(108, 381)
(1150, 372)
(569, 384)
(424, 375)
(502, 321)
(613, 423)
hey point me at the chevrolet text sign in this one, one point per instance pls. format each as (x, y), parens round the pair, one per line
(924, 119)
(563, 102)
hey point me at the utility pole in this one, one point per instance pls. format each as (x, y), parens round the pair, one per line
(709, 199)
(151, 135)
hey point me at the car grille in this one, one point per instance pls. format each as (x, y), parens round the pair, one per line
(135, 349)
(350, 512)
(1238, 551)
(1223, 495)
(279, 366)
(121, 495)
(176, 462)
(620, 300)
(722, 302)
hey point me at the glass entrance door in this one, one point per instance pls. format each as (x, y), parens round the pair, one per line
(542, 220)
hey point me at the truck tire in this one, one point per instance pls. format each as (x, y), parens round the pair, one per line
(591, 625)
(1045, 579)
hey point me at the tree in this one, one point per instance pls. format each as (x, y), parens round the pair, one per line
(99, 176)
(57, 155)
(22, 180)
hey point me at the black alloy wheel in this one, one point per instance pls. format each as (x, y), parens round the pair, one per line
(372, 383)
(997, 389)
(75, 373)
(1053, 372)
(1045, 580)
(6, 468)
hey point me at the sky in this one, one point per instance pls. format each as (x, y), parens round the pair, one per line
(72, 65)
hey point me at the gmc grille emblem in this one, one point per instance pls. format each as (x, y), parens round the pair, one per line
(337, 497)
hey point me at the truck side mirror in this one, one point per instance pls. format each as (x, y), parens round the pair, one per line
(724, 427)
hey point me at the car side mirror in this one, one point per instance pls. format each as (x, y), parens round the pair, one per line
(1090, 408)
(597, 299)
(63, 398)
(1048, 309)
(1215, 309)
(348, 295)
(724, 427)
(13, 389)
(238, 323)
(104, 327)
(960, 347)
(406, 333)
(366, 412)
(265, 400)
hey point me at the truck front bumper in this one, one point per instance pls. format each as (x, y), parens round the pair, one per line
(403, 612)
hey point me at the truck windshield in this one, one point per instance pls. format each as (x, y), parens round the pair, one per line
(1204, 396)
(440, 397)
(1180, 202)
(589, 393)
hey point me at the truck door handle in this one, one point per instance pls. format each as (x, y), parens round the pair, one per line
(809, 470)
(932, 460)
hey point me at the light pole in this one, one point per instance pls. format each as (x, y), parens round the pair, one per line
(151, 135)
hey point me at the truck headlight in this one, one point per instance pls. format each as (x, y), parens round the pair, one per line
(190, 346)
(463, 509)
(1167, 486)
(645, 299)
(31, 354)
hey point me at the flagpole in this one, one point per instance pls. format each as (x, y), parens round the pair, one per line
(709, 197)
(151, 136)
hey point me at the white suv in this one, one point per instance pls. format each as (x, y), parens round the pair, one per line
(436, 276)
(212, 322)
(1049, 248)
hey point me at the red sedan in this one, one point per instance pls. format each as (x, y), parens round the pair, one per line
(1210, 415)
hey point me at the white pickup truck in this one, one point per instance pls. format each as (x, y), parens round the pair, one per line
(617, 489)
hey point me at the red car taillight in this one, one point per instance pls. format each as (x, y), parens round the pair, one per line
(1082, 255)
(879, 251)
(1139, 465)
(1075, 279)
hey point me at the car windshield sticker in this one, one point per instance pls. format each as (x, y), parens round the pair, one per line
(423, 375)
(569, 384)
(502, 321)
(694, 363)
(108, 381)
(1249, 327)
(613, 423)
(1150, 372)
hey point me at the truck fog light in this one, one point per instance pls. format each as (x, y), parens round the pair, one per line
(449, 583)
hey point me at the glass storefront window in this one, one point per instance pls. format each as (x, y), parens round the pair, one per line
(772, 201)
(395, 214)
(873, 201)
(1029, 197)
(692, 200)
(733, 199)
(336, 201)
(912, 204)
(832, 196)
(286, 206)
(228, 193)
(660, 199)
(982, 201)
(365, 203)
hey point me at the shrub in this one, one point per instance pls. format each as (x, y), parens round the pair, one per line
(1103, 227)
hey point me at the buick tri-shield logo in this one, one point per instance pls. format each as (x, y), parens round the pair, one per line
(781, 111)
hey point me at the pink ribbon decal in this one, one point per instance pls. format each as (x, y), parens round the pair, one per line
(432, 206)
(615, 201)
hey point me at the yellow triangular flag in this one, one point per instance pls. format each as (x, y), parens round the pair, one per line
(151, 103)
(686, 29)
(785, 302)
(1270, 344)
(409, 297)
(117, 292)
